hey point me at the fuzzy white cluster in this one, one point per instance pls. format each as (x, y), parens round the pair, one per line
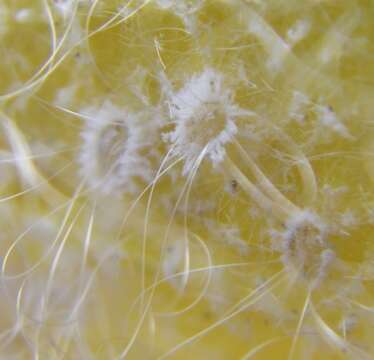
(325, 115)
(180, 6)
(276, 47)
(301, 221)
(184, 9)
(64, 7)
(328, 118)
(304, 246)
(298, 31)
(298, 106)
(118, 148)
(205, 116)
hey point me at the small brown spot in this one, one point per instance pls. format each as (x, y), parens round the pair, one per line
(234, 185)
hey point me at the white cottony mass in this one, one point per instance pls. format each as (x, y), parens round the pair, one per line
(117, 148)
(204, 114)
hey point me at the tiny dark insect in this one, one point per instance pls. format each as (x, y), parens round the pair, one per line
(234, 185)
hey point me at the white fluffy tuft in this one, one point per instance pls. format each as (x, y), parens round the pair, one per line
(118, 148)
(205, 118)
(328, 118)
(185, 9)
(305, 247)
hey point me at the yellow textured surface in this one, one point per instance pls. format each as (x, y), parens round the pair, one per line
(265, 252)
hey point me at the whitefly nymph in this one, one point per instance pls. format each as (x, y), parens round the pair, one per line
(304, 246)
(118, 148)
(205, 117)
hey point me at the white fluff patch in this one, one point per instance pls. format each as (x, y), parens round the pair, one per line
(118, 148)
(298, 31)
(184, 9)
(205, 116)
(305, 247)
(327, 117)
(64, 7)
(298, 106)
